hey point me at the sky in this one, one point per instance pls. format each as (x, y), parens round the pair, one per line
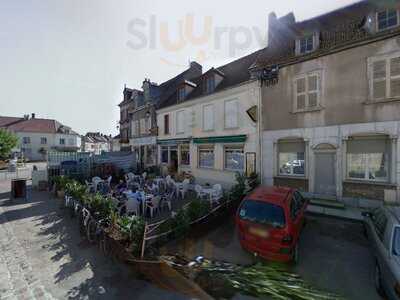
(70, 59)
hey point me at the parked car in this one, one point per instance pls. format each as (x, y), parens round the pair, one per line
(269, 222)
(382, 226)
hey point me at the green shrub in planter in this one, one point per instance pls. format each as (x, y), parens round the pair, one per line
(197, 209)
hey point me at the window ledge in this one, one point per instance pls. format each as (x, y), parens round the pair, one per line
(291, 177)
(315, 109)
(380, 183)
(382, 101)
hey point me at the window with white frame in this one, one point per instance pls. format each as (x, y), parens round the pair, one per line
(234, 158)
(306, 44)
(231, 114)
(291, 158)
(180, 121)
(210, 84)
(368, 158)
(43, 140)
(184, 154)
(387, 19)
(26, 140)
(208, 117)
(62, 141)
(307, 91)
(206, 157)
(385, 77)
(135, 128)
(181, 93)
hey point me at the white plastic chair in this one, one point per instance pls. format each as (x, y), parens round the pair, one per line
(109, 181)
(199, 191)
(96, 180)
(89, 186)
(217, 193)
(153, 205)
(129, 176)
(167, 201)
(183, 188)
(132, 206)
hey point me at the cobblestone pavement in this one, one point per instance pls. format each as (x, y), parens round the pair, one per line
(42, 256)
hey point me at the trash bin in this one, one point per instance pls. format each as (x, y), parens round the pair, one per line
(18, 188)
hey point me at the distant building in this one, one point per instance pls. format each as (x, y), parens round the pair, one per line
(115, 143)
(138, 121)
(96, 142)
(38, 136)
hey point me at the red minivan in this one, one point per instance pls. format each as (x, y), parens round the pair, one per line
(269, 222)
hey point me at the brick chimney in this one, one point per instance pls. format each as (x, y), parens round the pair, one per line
(33, 116)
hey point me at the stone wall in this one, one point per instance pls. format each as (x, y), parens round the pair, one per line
(365, 190)
(297, 183)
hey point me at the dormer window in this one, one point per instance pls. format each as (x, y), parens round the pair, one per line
(306, 44)
(387, 19)
(181, 93)
(209, 84)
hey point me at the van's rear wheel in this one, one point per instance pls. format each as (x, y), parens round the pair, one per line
(378, 279)
(295, 255)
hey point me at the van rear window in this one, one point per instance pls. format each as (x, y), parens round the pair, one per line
(262, 212)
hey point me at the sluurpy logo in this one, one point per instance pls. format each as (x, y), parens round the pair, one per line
(208, 42)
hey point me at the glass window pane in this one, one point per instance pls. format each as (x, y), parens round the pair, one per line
(356, 165)
(234, 159)
(377, 166)
(185, 155)
(206, 158)
(291, 163)
(164, 155)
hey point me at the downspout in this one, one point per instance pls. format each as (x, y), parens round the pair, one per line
(259, 125)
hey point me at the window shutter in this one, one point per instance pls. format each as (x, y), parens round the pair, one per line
(231, 114)
(395, 77)
(379, 79)
(301, 102)
(379, 69)
(208, 117)
(301, 85)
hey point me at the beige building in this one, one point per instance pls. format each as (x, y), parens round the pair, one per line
(206, 127)
(331, 109)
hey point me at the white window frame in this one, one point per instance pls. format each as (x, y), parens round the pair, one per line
(180, 113)
(204, 119)
(367, 168)
(388, 78)
(62, 139)
(226, 126)
(306, 92)
(206, 148)
(387, 28)
(43, 139)
(315, 41)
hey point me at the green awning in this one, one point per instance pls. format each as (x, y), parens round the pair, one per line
(174, 141)
(221, 139)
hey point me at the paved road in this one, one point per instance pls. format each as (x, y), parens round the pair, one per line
(334, 255)
(43, 257)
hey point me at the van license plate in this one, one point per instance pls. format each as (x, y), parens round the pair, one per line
(259, 232)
